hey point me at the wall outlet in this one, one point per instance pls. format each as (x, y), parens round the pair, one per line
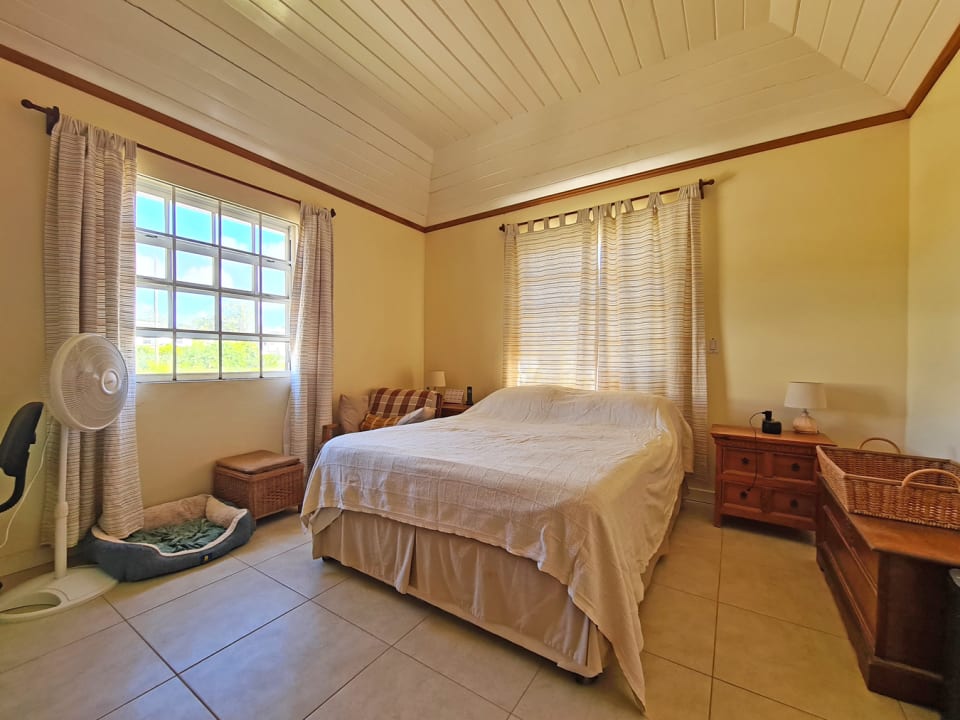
(713, 346)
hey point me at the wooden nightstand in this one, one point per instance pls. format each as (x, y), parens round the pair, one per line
(772, 478)
(451, 409)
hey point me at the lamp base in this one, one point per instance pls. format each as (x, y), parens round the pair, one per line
(805, 424)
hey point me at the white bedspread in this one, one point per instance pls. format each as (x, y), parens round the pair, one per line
(583, 483)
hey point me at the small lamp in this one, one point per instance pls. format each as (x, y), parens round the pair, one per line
(805, 395)
(438, 381)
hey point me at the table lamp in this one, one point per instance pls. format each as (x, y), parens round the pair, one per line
(438, 381)
(805, 395)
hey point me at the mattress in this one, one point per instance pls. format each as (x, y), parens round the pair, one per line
(581, 483)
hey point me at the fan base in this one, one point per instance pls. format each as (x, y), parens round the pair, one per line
(47, 594)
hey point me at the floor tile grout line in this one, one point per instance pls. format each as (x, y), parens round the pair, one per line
(178, 597)
(134, 699)
(771, 699)
(716, 629)
(525, 690)
(789, 622)
(350, 622)
(677, 663)
(293, 589)
(65, 645)
(172, 669)
(245, 635)
(353, 677)
(456, 682)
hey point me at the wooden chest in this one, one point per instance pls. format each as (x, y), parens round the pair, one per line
(890, 582)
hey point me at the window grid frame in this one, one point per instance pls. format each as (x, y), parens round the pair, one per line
(174, 243)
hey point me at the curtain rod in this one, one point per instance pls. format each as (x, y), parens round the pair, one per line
(53, 117)
(701, 182)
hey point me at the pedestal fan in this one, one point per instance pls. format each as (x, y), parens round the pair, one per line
(88, 388)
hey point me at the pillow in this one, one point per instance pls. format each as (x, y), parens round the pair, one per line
(372, 421)
(418, 415)
(353, 408)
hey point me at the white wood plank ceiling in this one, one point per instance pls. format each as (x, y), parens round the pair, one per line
(438, 109)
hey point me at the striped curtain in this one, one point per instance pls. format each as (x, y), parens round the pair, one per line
(89, 273)
(613, 301)
(550, 305)
(311, 332)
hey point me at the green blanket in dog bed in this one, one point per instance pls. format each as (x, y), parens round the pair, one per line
(188, 535)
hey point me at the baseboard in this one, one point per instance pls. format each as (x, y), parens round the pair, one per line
(24, 560)
(699, 495)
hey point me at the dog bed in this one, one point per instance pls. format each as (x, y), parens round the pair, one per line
(129, 560)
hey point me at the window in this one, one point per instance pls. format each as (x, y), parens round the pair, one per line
(213, 287)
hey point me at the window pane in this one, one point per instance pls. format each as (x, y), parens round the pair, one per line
(237, 275)
(274, 320)
(196, 355)
(151, 212)
(237, 234)
(153, 307)
(273, 282)
(194, 223)
(275, 356)
(274, 243)
(238, 315)
(154, 355)
(195, 311)
(151, 261)
(241, 356)
(194, 268)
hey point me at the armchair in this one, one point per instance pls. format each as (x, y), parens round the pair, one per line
(384, 407)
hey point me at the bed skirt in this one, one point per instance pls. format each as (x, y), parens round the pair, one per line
(482, 584)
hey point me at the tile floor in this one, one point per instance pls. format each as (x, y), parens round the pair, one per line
(739, 624)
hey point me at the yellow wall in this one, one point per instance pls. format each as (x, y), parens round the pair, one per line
(183, 427)
(804, 262)
(933, 384)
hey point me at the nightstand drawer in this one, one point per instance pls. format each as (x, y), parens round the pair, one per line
(741, 494)
(740, 461)
(794, 467)
(788, 503)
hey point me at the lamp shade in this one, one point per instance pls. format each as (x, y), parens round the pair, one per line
(806, 395)
(437, 379)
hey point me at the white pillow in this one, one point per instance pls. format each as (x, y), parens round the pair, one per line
(418, 415)
(353, 408)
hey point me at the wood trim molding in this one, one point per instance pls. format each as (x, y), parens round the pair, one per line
(934, 73)
(78, 83)
(803, 137)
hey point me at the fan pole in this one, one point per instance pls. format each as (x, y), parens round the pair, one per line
(61, 510)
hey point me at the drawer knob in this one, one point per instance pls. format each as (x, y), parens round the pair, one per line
(743, 494)
(744, 461)
(794, 503)
(795, 467)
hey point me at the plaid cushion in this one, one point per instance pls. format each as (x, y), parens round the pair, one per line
(392, 402)
(372, 421)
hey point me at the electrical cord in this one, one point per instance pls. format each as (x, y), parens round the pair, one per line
(756, 450)
(36, 474)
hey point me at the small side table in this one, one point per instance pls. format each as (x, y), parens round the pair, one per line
(771, 478)
(264, 482)
(451, 409)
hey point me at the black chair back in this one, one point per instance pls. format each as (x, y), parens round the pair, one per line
(15, 449)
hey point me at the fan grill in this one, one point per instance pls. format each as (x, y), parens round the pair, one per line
(88, 382)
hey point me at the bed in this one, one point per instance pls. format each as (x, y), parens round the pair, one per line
(538, 515)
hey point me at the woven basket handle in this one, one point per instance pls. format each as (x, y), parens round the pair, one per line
(931, 471)
(881, 439)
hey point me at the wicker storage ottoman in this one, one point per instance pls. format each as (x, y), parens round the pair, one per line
(264, 482)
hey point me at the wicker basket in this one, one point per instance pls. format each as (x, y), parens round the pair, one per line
(914, 489)
(263, 482)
